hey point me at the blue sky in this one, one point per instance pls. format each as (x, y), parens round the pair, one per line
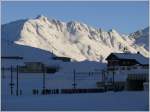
(125, 17)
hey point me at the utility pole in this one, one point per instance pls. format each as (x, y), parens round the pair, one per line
(3, 72)
(104, 78)
(89, 73)
(102, 75)
(74, 79)
(11, 81)
(17, 92)
(43, 77)
(113, 76)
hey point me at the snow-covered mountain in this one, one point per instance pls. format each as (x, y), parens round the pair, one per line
(73, 39)
(141, 38)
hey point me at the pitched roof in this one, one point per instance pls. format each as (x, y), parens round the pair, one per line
(138, 57)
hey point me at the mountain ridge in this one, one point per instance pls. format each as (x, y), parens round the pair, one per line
(72, 39)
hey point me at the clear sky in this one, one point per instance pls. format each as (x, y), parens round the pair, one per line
(125, 17)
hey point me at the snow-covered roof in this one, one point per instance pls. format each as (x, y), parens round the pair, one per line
(138, 57)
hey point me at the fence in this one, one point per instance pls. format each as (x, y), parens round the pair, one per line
(66, 91)
(16, 88)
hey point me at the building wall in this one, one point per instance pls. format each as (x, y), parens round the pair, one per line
(122, 62)
(125, 70)
(136, 74)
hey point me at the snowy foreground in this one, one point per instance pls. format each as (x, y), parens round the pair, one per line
(137, 101)
(89, 101)
(124, 100)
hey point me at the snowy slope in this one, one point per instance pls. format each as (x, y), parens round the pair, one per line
(28, 53)
(73, 39)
